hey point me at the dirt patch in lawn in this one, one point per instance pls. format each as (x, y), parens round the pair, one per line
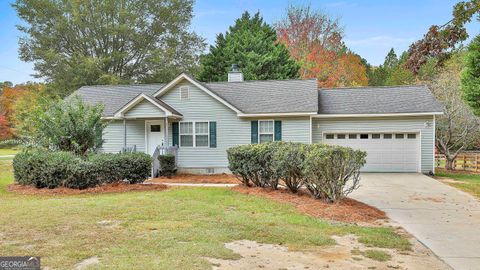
(108, 188)
(348, 253)
(346, 210)
(198, 178)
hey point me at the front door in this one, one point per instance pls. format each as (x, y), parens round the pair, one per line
(155, 135)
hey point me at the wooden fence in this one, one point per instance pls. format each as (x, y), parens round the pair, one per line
(467, 161)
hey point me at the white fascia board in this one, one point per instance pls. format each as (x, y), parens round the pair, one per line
(276, 114)
(192, 81)
(135, 101)
(375, 115)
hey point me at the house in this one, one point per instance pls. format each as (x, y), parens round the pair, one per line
(395, 125)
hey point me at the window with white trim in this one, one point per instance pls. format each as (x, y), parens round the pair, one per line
(265, 131)
(186, 134)
(201, 134)
(184, 92)
(194, 134)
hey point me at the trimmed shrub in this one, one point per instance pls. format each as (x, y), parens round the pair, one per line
(328, 169)
(167, 165)
(43, 168)
(288, 163)
(253, 163)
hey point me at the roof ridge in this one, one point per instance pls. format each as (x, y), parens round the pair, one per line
(376, 87)
(253, 81)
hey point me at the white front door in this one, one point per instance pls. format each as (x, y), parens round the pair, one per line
(155, 135)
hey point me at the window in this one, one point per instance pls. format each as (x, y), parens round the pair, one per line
(265, 131)
(201, 134)
(329, 136)
(399, 136)
(186, 134)
(155, 128)
(194, 134)
(387, 136)
(352, 136)
(412, 136)
(184, 92)
(341, 136)
(375, 136)
(363, 136)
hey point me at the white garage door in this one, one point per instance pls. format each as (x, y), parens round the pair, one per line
(386, 152)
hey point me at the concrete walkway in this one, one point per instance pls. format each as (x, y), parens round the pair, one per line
(443, 218)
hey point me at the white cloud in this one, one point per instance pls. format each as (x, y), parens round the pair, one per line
(380, 41)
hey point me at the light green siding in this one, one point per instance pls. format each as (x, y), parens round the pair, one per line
(113, 135)
(231, 130)
(422, 124)
(145, 109)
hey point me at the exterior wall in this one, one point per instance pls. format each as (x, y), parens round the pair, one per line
(385, 124)
(145, 109)
(231, 130)
(113, 135)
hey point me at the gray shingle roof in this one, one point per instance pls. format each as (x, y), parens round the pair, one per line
(377, 100)
(114, 96)
(270, 96)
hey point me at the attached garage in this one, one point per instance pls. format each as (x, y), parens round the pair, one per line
(386, 151)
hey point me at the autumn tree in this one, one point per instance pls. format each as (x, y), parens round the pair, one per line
(440, 40)
(75, 43)
(458, 128)
(5, 129)
(314, 40)
(250, 43)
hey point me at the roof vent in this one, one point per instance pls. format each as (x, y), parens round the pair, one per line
(235, 75)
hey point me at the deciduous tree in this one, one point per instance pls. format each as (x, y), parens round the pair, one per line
(250, 43)
(458, 128)
(314, 40)
(74, 43)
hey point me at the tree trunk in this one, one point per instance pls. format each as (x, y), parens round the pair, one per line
(449, 163)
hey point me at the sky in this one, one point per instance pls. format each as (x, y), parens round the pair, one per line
(371, 27)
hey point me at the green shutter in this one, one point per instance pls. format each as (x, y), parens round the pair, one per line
(254, 132)
(278, 130)
(175, 137)
(213, 134)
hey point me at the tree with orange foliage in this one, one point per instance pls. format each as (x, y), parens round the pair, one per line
(314, 40)
(5, 130)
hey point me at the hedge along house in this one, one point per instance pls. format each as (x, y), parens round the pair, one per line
(395, 125)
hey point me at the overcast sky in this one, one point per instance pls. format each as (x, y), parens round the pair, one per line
(371, 27)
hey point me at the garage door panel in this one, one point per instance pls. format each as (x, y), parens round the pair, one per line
(383, 154)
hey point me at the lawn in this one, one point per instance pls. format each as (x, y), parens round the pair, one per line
(8, 151)
(467, 182)
(172, 229)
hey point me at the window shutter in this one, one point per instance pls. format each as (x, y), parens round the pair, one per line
(175, 136)
(213, 134)
(254, 132)
(278, 130)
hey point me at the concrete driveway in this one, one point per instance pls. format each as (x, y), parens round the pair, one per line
(443, 218)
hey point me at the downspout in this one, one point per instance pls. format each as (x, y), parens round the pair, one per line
(124, 134)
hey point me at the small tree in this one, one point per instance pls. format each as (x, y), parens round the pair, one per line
(70, 125)
(457, 128)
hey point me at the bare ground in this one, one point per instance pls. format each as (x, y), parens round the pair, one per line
(346, 254)
(108, 188)
(198, 178)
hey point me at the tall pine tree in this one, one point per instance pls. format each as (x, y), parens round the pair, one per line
(250, 43)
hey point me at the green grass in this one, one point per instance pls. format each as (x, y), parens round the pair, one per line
(377, 255)
(466, 182)
(8, 151)
(172, 229)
